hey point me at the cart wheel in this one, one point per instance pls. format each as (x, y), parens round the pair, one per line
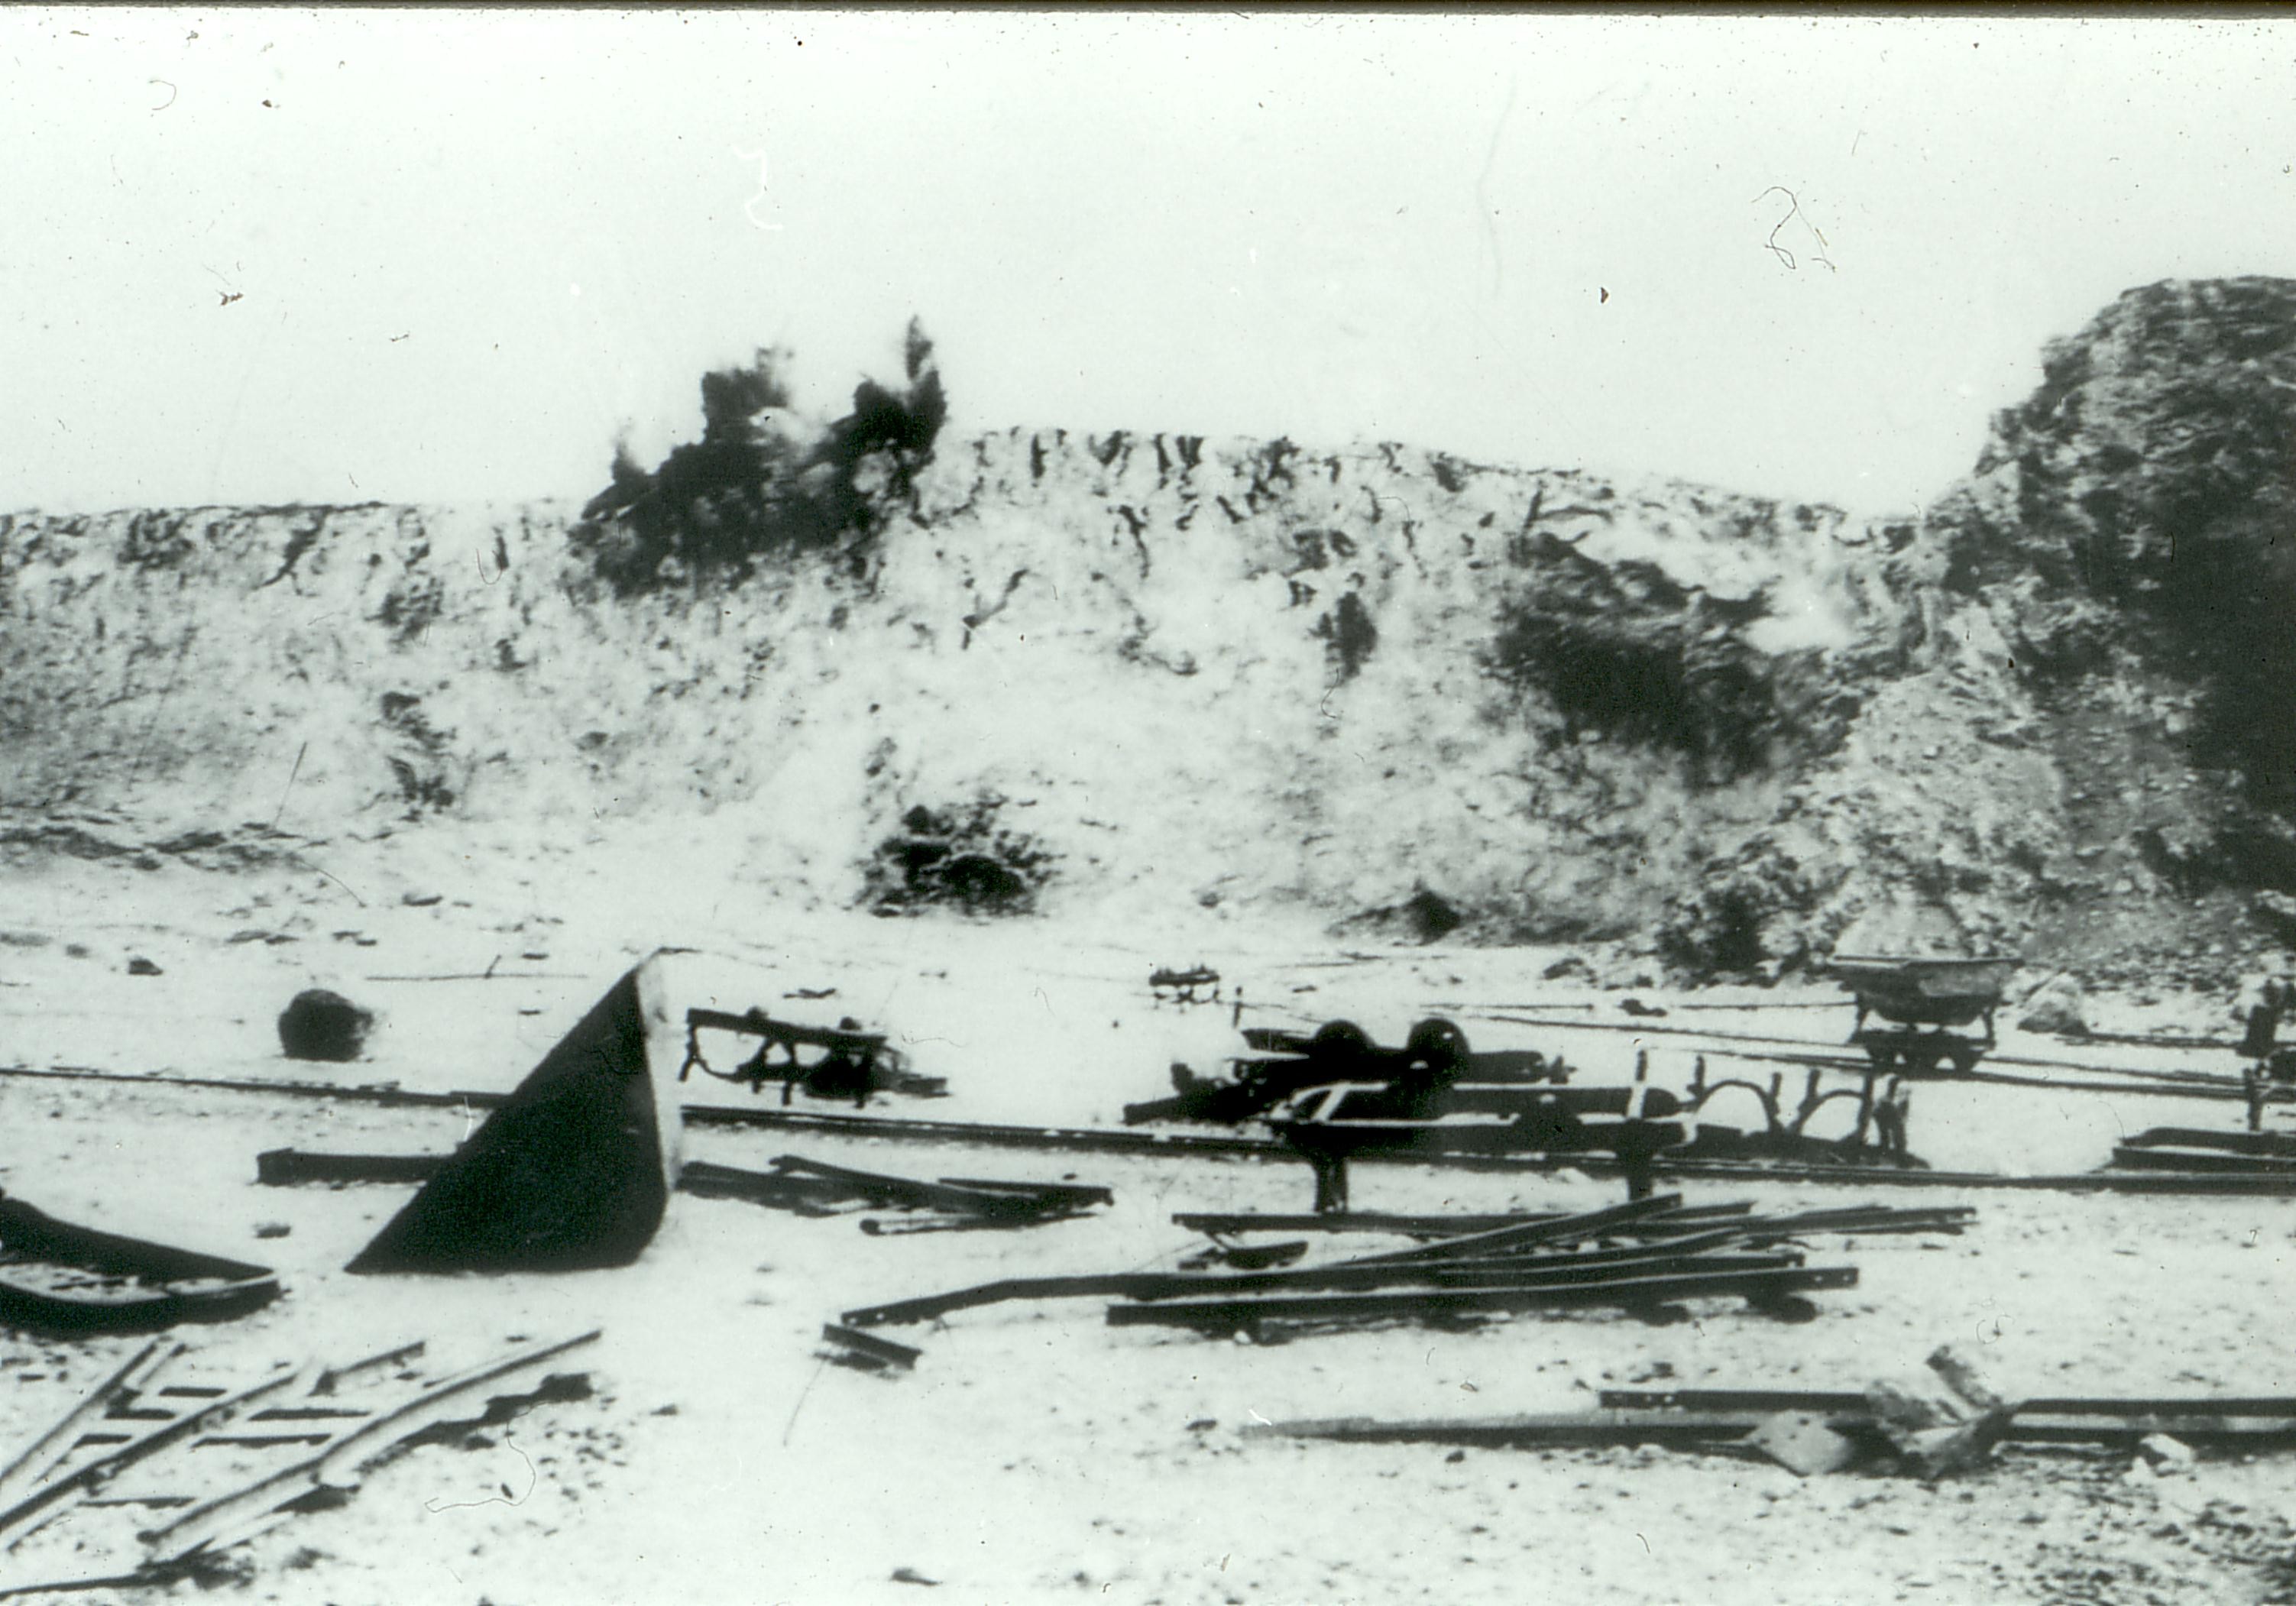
(1341, 1043)
(1440, 1041)
(1965, 1060)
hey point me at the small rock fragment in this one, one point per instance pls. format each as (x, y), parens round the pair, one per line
(2164, 1453)
(1804, 1443)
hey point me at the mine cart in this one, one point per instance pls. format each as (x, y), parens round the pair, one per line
(1193, 985)
(1925, 1000)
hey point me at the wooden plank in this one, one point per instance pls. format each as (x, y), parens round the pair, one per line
(869, 1344)
(1758, 1286)
(288, 1168)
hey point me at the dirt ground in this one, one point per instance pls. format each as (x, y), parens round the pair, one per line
(1035, 1453)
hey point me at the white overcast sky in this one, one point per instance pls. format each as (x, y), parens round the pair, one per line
(463, 251)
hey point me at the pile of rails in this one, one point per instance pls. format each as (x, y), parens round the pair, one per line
(2199, 1150)
(1645, 1257)
(1927, 1431)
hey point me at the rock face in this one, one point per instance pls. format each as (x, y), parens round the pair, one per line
(1130, 672)
(2131, 532)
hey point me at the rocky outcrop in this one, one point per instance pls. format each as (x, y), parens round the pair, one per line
(2131, 532)
(1069, 674)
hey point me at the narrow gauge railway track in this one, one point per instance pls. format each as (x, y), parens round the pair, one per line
(1118, 1140)
(1655, 1029)
(1826, 1055)
(1851, 1065)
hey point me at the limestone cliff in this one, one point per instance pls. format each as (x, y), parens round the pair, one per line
(1380, 685)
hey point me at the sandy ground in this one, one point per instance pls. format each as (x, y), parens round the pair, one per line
(1036, 1452)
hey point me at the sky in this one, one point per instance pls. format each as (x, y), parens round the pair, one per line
(264, 255)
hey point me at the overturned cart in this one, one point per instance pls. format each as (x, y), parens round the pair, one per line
(840, 1062)
(1277, 1065)
(1925, 1001)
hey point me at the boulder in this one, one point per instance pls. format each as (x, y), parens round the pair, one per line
(321, 1024)
(2054, 1006)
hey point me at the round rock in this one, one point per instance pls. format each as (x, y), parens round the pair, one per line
(321, 1024)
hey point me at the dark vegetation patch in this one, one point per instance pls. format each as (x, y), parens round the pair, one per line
(1348, 634)
(2255, 852)
(1432, 915)
(1648, 665)
(419, 766)
(1719, 930)
(1425, 916)
(1725, 925)
(761, 482)
(2228, 610)
(959, 857)
(412, 606)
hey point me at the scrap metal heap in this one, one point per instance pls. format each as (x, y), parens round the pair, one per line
(575, 1169)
